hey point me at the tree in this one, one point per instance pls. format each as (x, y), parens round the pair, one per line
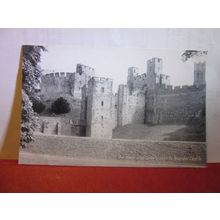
(192, 53)
(28, 120)
(30, 79)
(38, 106)
(60, 106)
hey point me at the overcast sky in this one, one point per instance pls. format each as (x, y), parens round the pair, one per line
(114, 62)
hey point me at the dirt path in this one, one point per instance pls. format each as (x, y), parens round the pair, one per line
(143, 131)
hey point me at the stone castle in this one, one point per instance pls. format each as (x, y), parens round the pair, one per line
(147, 98)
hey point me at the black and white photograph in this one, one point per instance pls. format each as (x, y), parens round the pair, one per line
(121, 107)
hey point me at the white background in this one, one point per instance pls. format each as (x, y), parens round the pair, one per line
(109, 207)
(113, 13)
(204, 39)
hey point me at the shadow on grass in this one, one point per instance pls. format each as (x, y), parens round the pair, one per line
(189, 133)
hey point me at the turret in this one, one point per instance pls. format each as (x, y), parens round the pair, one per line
(132, 72)
(99, 106)
(199, 73)
(155, 66)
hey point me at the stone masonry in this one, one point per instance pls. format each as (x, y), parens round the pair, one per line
(99, 104)
(58, 83)
(146, 98)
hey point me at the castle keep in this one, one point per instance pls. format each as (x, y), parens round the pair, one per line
(147, 98)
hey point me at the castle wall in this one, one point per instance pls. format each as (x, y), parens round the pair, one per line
(149, 79)
(69, 127)
(175, 106)
(114, 111)
(136, 109)
(99, 108)
(58, 126)
(122, 114)
(83, 114)
(140, 81)
(69, 86)
(50, 125)
(164, 79)
(75, 106)
(54, 84)
(131, 108)
(147, 98)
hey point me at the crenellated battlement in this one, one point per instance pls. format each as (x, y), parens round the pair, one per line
(83, 69)
(57, 74)
(146, 98)
(169, 89)
(101, 80)
(163, 101)
(56, 83)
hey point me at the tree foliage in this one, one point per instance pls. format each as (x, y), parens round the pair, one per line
(31, 68)
(60, 106)
(38, 106)
(30, 79)
(192, 53)
(29, 120)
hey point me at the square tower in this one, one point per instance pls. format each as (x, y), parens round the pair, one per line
(199, 73)
(155, 66)
(132, 72)
(81, 77)
(122, 114)
(154, 72)
(99, 108)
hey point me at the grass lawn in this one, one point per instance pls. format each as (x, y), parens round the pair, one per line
(189, 133)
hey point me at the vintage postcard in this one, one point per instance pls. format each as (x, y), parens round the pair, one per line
(127, 107)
